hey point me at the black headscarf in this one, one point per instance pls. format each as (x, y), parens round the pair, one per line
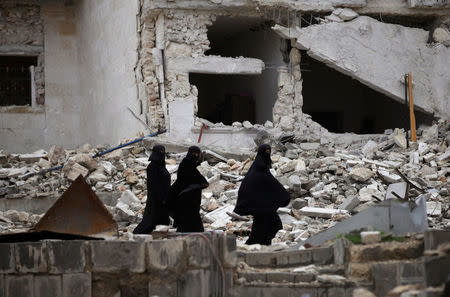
(158, 154)
(260, 191)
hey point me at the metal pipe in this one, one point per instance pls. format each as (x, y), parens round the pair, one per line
(128, 143)
(101, 153)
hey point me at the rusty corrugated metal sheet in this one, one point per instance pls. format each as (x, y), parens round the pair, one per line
(78, 211)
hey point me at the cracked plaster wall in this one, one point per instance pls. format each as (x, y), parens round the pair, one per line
(185, 35)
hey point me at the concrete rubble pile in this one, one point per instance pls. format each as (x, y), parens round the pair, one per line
(328, 183)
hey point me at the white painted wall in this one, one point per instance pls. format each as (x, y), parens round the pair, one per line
(108, 54)
(90, 55)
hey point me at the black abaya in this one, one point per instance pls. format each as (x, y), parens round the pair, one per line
(260, 195)
(158, 181)
(185, 194)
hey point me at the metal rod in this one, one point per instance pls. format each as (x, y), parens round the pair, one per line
(407, 108)
(411, 109)
(127, 144)
(101, 153)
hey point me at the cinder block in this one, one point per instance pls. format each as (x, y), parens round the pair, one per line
(195, 283)
(336, 292)
(2, 285)
(46, 285)
(19, 286)
(385, 277)
(293, 258)
(323, 256)
(162, 289)
(254, 276)
(412, 272)
(368, 237)
(76, 285)
(437, 270)
(30, 257)
(260, 259)
(280, 277)
(304, 277)
(165, 254)
(433, 238)
(229, 251)
(7, 259)
(113, 256)
(66, 256)
(199, 253)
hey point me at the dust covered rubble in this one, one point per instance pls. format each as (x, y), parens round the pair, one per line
(327, 183)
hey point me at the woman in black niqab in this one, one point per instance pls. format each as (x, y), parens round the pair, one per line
(260, 195)
(185, 193)
(158, 182)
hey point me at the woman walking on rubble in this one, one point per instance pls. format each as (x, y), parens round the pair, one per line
(185, 193)
(158, 181)
(260, 195)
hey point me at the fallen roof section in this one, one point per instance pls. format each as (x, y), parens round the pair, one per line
(379, 55)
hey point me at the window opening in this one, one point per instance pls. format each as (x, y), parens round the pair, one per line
(15, 80)
(230, 98)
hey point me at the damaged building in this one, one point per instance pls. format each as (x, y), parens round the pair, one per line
(71, 70)
(331, 85)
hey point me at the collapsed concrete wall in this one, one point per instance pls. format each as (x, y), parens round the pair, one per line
(379, 55)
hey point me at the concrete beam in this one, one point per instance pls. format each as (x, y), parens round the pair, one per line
(379, 55)
(216, 65)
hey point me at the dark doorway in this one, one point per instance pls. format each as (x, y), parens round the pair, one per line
(15, 80)
(342, 104)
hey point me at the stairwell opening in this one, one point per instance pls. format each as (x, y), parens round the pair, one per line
(342, 104)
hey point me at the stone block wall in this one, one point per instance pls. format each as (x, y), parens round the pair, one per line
(182, 266)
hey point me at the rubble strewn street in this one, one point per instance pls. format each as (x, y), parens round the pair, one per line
(327, 184)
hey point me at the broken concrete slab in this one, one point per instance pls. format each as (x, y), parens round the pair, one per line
(216, 65)
(350, 203)
(33, 157)
(72, 170)
(320, 212)
(397, 188)
(434, 208)
(363, 49)
(361, 174)
(219, 217)
(388, 216)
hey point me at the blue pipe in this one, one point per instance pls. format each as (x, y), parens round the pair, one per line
(107, 151)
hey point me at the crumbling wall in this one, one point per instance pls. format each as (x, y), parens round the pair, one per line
(183, 37)
(287, 110)
(22, 33)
